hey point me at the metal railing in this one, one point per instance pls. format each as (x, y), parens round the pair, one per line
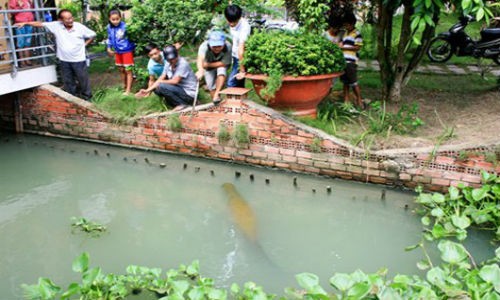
(42, 50)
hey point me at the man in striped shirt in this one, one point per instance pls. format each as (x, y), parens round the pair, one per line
(350, 45)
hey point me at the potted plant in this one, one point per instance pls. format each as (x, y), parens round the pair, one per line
(292, 70)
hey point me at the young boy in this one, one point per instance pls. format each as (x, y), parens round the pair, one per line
(350, 45)
(240, 30)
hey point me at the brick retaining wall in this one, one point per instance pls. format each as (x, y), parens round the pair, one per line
(275, 141)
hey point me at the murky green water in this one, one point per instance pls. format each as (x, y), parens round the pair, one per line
(162, 217)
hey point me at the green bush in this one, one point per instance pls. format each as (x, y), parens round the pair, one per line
(160, 21)
(298, 53)
(292, 53)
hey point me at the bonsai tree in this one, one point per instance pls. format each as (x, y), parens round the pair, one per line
(299, 53)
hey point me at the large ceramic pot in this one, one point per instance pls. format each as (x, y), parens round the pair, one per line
(300, 95)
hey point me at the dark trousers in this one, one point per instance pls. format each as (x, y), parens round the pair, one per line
(232, 81)
(174, 95)
(75, 77)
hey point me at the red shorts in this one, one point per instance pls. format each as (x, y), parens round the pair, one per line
(124, 59)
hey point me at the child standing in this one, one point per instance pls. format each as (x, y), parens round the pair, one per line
(350, 45)
(123, 49)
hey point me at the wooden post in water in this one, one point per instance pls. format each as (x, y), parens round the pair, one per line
(18, 117)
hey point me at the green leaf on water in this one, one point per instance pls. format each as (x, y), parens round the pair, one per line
(491, 274)
(438, 198)
(359, 290)
(341, 281)
(437, 212)
(423, 265)
(453, 192)
(461, 222)
(310, 282)
(452, 252)
(426, 221)
(194, 268)
(479, 194)
(436, 276)
(438, 231)
(81, 263)
(424, 198)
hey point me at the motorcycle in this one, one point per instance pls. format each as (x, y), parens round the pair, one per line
(456, 41)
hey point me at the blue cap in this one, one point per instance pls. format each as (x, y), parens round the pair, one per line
(216, 38)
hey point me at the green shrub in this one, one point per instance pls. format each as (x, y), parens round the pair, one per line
(298, 53)
(240, 134)
(174, 123)
(160, 21)
(223, 134)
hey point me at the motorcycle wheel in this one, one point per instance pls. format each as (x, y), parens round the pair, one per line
(440, 50)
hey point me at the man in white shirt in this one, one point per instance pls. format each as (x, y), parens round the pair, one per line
(71, 40)
(240, 31)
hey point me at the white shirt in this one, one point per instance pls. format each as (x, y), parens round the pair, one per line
(240, 34)
(70, 43)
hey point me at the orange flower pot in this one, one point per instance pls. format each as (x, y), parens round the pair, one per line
(300, 94)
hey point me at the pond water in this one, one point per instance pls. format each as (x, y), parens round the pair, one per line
(162, 217)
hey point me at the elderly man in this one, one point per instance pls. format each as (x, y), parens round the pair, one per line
(214, 58)
(71, 40)
(177, 84)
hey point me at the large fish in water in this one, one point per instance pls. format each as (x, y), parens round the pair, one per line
(242, 213)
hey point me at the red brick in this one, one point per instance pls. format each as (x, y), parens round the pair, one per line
(282, 165)
(404, 176)
(372, 172)
(339, 167)
(289, 152)
(268, 163)
(487, 166)
(303, 154)
(260, 154)
(471, 178)
(305, 162)
(389, 175)
(322, 165)
(274, 157)
(288, 158)
(255, 147)
(312, 170)
(444, 160)
(421, 179)
(370, 164)
(253, 160)
(440, 181)
(452, 175)
(305, 134)
(224, 155)
(378, 180)
(336, 159)
(352, 161)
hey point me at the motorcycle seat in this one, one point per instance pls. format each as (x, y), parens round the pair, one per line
(490, 34)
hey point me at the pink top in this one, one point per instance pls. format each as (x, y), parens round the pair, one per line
(22, 16)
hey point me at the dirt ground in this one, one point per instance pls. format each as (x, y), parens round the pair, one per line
(474, 117)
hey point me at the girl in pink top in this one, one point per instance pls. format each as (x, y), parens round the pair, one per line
(23, 35)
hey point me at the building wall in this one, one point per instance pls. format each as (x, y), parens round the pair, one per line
(275, 141)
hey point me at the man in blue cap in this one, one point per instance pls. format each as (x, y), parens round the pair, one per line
(214, 59)
(177, 84)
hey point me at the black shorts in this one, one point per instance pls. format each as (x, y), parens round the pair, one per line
(350, 75)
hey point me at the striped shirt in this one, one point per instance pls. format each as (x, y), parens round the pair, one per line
(352, 38)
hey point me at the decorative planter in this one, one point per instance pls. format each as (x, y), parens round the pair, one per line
(299, 94)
